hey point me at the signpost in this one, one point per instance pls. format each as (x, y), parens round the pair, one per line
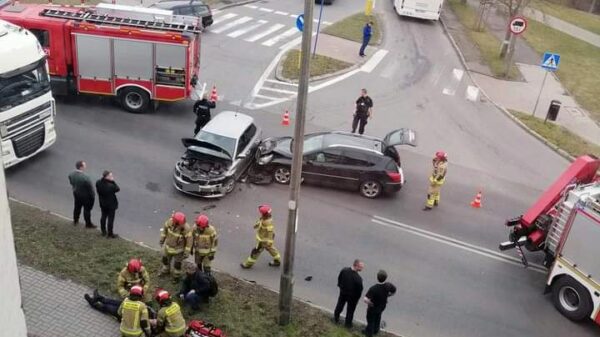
(518, 25)
(300, 26)
(318, 28)
(550, 63)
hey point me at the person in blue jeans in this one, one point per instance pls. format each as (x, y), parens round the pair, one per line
(197, 287)
(367, 32)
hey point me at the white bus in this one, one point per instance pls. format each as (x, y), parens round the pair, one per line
(422, 9)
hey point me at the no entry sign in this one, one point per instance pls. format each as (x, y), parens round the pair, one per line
(518, 24)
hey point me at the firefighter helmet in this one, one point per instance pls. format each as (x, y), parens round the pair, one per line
(264, 210)
(441, 155)
(202, 221)
(161, 295)
(178, 218)
(134, 265)
(136, 290)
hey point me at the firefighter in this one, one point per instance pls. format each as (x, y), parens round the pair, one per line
(205, 243)
(202, 111)
(169, 321)
(265, 235)
(134, 314)
(134, 274)
(176, 240)
(436, 180)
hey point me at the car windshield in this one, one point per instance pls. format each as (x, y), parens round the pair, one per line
(313, 143)
(23, 85)
(225, 143)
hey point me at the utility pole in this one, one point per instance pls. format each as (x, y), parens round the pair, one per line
(286, 283)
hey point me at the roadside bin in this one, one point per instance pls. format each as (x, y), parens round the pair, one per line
(553, 110)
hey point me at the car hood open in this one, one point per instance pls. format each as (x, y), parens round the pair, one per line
(204, 148)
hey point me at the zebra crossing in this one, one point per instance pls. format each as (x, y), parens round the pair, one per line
(257, 30)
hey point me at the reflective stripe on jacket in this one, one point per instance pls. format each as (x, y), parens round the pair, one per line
(172, 320)
(132, 313)
(438, 174)
(126, 280)
(265, 232)
(177, 239)
(205, 242)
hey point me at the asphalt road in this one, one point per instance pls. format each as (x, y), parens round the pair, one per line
(449, 282)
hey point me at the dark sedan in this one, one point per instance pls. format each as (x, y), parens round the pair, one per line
(188, 7)
(340, 159)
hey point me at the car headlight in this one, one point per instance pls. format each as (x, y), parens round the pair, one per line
(265, 159)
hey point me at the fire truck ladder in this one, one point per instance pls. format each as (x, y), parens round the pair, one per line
(557, 228)
(113, 20)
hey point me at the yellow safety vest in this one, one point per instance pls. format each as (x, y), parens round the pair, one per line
(205, 242)
(177, 238)
(172, 319)
(132, 312)
(265, 232)
(126, 280)
(438, 174)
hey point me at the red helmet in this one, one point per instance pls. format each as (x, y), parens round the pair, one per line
(441, 155)
(161, 295)
(264, 210)
(136, 290)
(134, 265)
(202, 221)
(178, 218)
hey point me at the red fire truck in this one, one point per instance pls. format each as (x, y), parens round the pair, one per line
(139, 55)
(564, 223)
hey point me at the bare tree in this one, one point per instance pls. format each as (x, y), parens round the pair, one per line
(514, 8)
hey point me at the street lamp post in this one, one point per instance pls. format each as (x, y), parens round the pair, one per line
(286, 283)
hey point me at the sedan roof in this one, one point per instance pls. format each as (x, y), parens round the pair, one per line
(352, 140)
(229, 124)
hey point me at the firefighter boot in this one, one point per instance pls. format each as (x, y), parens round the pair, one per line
(275, 263)
(165, 268)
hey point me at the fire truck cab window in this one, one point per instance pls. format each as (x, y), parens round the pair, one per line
(42, 35)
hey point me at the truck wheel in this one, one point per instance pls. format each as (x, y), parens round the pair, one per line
(134, 99)
(571, 298)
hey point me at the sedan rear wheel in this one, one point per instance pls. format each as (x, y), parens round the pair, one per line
(282, 175)
(370, 189)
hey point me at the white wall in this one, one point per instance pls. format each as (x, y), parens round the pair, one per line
(12, 318)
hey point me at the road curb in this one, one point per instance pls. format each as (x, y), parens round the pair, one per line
(539, 137)
(279, 72)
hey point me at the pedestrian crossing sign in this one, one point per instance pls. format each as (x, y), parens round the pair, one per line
(550, 61)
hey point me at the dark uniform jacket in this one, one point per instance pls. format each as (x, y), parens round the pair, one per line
(350, 283)
(203, 284)
(107, 193)
(82, 185)
(363, 104)
(202, 110)
(379, 293)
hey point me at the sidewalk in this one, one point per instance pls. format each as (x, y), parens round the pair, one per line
(563, 26)
(56, 308)
(520, 95)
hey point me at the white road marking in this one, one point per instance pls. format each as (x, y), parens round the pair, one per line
(268, 10)
(374, 61)
(282, 36)
(282, 91)
(456, 243)
(334, 80)
(292, 43)
(270, 98)
(280, 82)
(264, 33)
(251, 6)
(231, 24)
(282, 13)
(224, 17)
(247, 29)
(457, 75)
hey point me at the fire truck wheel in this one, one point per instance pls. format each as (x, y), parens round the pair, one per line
(571, 298)
(134, 99)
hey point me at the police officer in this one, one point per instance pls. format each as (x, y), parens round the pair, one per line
(364, 111)
(205, 243)
(134, 314)
(134, 274)
(176, 240)
(169, 321)
(265, 236)
(436, 180)
(202, 112)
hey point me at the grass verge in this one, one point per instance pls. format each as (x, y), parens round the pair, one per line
(486, 42)
(573, 16)
(351, 28)
(558, 135)
(51, 244)
(319, 65)
(579, 67)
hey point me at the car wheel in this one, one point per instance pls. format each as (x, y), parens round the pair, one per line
(134, 99)
(571, 298)
(282, 175)
(229, 185)
(370, 189)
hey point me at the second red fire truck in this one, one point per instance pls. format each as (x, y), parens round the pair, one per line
(139, 55)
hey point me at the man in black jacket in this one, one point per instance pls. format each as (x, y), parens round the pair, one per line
(83, 194)
(202, 112)
(351, 287)
(376, 299)
(107, 190)
(197, 287)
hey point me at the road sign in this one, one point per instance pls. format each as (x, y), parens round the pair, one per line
(300, 22)
(550, 61)
(517, 25)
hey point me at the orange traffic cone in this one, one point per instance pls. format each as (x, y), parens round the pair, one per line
(213, 94)
(476, 203)
(286, 118)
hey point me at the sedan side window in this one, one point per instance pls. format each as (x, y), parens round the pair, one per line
(188, 10)
(355, 158)
(246, 138)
